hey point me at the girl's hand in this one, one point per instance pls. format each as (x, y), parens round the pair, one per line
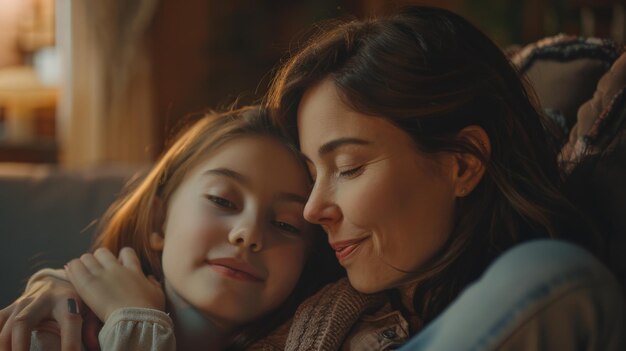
(46, 302)
(106, 284)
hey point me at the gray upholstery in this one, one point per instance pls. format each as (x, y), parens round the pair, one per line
(47, 216)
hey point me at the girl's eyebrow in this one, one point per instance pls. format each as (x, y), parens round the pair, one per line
(227, 172)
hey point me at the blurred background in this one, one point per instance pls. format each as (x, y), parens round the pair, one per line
(87, 83)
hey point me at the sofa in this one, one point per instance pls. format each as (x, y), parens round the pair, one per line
(581, 84)
(49, 215)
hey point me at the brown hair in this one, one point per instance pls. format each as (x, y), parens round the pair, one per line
(432, 73)
(133, 217)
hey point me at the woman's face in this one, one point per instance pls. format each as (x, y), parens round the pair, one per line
(386, 207)
(235, 239)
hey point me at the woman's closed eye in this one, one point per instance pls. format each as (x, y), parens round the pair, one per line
(221, 202)
(352, 172)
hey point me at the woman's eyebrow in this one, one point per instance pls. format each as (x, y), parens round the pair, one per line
(227, 172)
(337, 143)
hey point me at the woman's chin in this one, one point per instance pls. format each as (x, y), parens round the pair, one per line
(364, 284)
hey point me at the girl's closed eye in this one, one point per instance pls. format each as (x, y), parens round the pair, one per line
(289, 221)
(286, 227)
(221, 202)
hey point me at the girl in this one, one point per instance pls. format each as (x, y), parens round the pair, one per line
(218, 221)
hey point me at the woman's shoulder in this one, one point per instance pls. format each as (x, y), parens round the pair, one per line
(323, 320)
(339, 296)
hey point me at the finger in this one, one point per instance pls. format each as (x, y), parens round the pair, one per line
(5, 333)
(77, 272)
(26, 320)
(5, 313)
(91, 263)
(129, 259)
(105, 257)
(70, 322)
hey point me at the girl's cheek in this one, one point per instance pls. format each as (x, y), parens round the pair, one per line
(295, 258)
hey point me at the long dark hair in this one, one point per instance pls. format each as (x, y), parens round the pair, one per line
(432, 73)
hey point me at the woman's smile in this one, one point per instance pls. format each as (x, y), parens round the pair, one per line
(344, 249)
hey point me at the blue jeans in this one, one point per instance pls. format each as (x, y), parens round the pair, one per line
(540, 295)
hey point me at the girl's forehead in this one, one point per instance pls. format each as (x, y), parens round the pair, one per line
(255, 149)
(259, 160)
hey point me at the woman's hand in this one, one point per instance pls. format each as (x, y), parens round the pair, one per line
(106, 283)
(47, 299)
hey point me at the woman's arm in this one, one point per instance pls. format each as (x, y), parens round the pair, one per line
(48, 296)
(50, 299)
(540, 295)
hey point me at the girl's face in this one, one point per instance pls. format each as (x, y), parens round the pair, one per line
(235, 239)
(386, 207)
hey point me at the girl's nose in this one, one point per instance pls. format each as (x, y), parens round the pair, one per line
(249, 235)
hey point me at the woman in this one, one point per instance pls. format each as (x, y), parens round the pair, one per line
(430, 163)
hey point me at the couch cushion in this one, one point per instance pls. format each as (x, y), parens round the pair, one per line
(600, 118)
(48, 217)
(596, 157)
(563, 71)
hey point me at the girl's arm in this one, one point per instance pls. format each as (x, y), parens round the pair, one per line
(138, 329)
(106, 283)
(130, 303)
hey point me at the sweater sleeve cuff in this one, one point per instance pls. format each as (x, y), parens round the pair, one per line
(138, 329)
(146, 315)
(47, 273)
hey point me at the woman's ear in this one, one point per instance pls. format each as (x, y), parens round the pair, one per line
(470, 167)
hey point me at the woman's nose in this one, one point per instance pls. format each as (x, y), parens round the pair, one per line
(249, 235)
(320, 208)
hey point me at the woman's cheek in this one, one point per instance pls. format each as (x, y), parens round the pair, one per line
(368, 198)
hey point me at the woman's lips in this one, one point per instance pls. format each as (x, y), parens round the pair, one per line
(343, 249)
(236, 269)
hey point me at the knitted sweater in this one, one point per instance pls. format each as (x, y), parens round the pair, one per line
(335, 318)
(339, 317)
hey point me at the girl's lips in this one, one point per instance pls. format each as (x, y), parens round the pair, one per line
(235, 269)
(343, 249)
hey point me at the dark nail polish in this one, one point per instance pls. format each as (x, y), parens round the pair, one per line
(72, 306)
